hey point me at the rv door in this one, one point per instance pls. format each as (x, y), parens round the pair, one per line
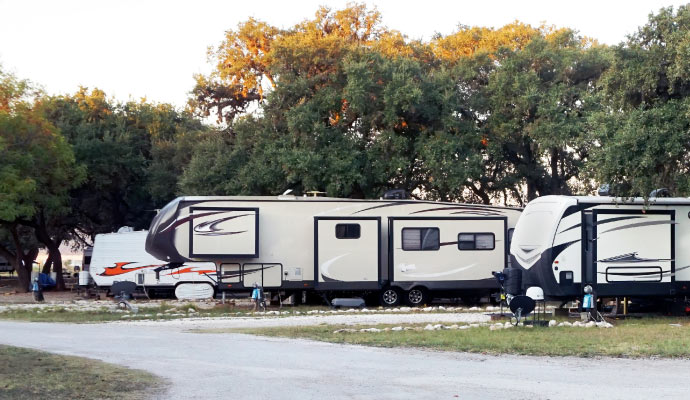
(347, 252)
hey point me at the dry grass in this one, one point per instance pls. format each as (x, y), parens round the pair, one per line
(31, 374)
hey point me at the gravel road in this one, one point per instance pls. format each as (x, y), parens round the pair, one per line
(207, 366)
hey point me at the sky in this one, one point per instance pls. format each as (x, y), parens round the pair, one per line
(152, 49)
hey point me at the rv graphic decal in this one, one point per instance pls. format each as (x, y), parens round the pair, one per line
(191, 270)
(324, 267)
(631, 258)
(405, 269)
(246, 271)
(118, 269)
(210, 228)
(375, 207)
(602, 222)
(188, 218)
(637, 225)
(462, 209)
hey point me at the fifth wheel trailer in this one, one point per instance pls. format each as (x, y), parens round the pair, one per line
(121, 256)
(392, 248)
(619, 247)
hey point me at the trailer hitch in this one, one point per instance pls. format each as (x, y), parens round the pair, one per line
(165, 267)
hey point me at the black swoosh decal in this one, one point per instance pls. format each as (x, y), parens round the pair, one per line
(188, 218)
(637, 225)
(631, 258)
(213, 230)
(375, 207)
(600, 222)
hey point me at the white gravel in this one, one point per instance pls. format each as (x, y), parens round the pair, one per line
(320, 319)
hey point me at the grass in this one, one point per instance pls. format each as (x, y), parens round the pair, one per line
(647, 337)
(31, 374)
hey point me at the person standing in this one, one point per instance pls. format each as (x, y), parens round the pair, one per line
(36, 290)
(256, 296)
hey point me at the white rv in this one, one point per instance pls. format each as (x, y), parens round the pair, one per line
(397, 249)
(619, 247)
(121, 257)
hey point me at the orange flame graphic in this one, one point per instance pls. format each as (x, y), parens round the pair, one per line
(119, 269)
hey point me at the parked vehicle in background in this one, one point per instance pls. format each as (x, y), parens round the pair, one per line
(121, 256)
(5, 266)
(399, 250)
(618, 247)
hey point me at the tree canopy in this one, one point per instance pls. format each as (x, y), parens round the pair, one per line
(342, 104)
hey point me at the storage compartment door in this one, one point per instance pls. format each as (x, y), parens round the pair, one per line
(347, 251)
(633, 247)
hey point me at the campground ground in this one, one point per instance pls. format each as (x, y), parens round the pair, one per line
(204, 350)
(207, 365)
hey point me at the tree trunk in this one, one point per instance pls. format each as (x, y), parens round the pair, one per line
(57, 267)
(47, 264)
(21, 261)
(480, 193)
(555, 179)
(53, 252)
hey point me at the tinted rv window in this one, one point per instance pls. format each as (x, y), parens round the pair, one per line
(420, 239)
(476, 241)
(347, 231)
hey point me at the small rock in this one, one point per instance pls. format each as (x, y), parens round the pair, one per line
(397, 328)
(552, 323)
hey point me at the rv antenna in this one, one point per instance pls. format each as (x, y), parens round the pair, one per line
(286, 192)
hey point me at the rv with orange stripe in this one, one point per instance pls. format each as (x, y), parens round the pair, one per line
(122, 257)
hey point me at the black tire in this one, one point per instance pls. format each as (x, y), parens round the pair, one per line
(389, 297)
(417, 297)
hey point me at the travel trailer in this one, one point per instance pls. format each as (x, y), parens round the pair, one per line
(398, 250)
(619, 247)
(121, 257)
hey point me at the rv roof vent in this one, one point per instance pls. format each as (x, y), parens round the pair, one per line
(662, 192)
(396, 194)
(125, 229)
(315, 193)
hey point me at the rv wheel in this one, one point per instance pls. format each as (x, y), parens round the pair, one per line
(390, 297)
(417, 297)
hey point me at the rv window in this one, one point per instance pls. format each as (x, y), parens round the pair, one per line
(476, 241)
(347, 231)
(420, 239)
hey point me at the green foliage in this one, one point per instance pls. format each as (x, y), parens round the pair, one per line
(643, 134)
(133, 153)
